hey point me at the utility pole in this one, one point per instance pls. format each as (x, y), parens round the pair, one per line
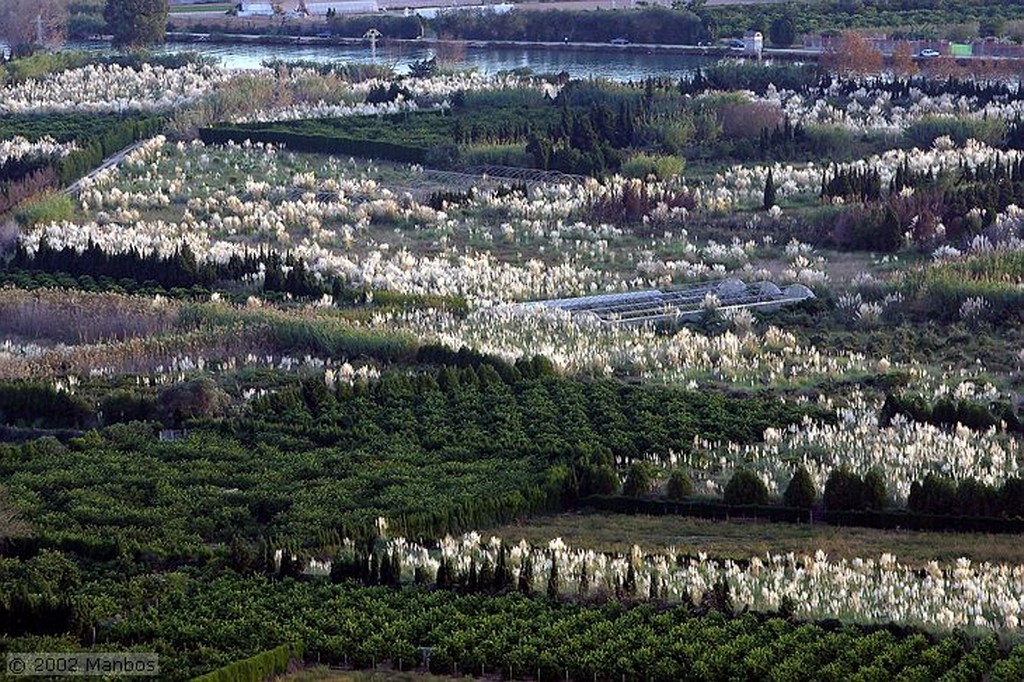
(39, 29)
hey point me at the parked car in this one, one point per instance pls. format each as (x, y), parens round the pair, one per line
(928, 53)
(619, 41)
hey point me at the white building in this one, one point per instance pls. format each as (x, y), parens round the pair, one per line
(434, 11)
(255, 9)
(753, 43)
(341, 7)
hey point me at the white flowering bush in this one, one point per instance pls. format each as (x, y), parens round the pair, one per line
(111, 88)
(348, 99)
(904, 452)
(21, 149)
(871, 109)
(960, 595)
(356, 220)
(579, 344)
(743, 186)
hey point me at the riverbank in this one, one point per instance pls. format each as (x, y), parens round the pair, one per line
(713, 51)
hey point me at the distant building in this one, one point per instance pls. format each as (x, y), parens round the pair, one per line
(961, 49)
(255, 9)
(339, 7)
(433, 12)
(753, 43)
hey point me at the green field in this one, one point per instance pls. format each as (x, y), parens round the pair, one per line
(202, 7)
(742, 539)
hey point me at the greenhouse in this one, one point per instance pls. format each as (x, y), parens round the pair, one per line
(680, 304)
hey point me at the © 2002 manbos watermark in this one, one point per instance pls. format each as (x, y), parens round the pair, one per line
(123, 663)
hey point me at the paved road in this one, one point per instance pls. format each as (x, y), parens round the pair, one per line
(113, 160)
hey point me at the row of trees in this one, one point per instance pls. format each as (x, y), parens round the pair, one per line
(514, 636)
(649, 25)
(948, 200)
(38, 405)
(444, 450)
(947, 413)
(845, 491)
(943, 496)
(282, 274)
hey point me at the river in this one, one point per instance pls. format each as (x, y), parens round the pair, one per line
(616, 65)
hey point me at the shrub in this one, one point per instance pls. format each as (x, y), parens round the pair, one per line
(748, 119)
(745, 487)
(873, 493)
(50, 207)
(41, 405)
(125, 406)
(781, 32)
(599, 480)
(263, 666)
(933, 495)
(661, 167)
(846, 491)
(843, 490)
(673, 137)
(922, 133)
(876, 229)
(800, 492)
(679, 485)
(497, 155)
(198, 398)
(443, 155)
(828, 141)
(639, 480)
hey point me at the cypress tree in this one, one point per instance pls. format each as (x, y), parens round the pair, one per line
(800, 492)
(553, 581)
(629, 587)
(769, 191)
(526, 575)
(584, 587)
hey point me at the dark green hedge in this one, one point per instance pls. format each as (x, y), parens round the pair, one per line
(318, 144)
(95, 149)
(700, 509)
(258, 668)
(886, 520)
(892, 520)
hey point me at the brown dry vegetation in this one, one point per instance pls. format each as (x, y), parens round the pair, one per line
(18, 21)
(140, 355)
(70, 317)
(853, 54)
(748, 119)
(903, 60)
(248, 92)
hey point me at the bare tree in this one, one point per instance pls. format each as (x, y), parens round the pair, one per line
(853, 54)
(27, 25)
(903, 60)
(8, 235)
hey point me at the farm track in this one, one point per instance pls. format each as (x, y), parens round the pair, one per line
(109, 162)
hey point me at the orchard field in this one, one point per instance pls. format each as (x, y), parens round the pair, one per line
(278, 386)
